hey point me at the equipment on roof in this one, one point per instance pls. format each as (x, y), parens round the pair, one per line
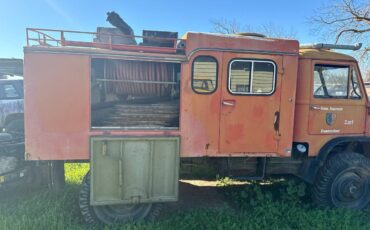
(356, 46)
(114, 19)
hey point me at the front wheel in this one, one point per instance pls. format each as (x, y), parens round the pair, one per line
(109, 214)
(344, 182)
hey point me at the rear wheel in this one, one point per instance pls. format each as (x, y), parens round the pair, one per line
(344, 182)
(109, 214)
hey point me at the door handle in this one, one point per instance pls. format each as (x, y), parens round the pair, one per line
(277, 121)
(228, 103)
(315, 107)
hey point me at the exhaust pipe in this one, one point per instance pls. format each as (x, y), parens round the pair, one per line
(356, 46)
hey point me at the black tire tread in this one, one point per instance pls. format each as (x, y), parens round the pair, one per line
(84, 202)
(322, 185)
(88, 212)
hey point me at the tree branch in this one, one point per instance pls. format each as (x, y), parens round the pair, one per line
(324, 21)
(350, 30)
(357, 15)
(364, 53)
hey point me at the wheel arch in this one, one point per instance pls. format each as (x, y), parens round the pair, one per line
(12, 117)
(311, 167)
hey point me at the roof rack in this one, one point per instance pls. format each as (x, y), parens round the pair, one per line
(356, 46)
(57, 38)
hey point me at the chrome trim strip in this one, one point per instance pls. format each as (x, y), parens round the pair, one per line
(241, 51)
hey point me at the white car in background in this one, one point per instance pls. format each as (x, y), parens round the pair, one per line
(11, 104)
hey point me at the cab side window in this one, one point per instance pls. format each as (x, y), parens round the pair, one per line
(204, 77)
(330, 81)
(251, 77)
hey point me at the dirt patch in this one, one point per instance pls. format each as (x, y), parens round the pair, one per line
(194, 194)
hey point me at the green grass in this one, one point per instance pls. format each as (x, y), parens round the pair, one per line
(274, 204)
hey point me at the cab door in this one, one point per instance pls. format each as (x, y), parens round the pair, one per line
(250, 103)
(337, 104)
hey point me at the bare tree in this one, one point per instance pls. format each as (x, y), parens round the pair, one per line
(276, 31)
(349, 21)
(225, 26)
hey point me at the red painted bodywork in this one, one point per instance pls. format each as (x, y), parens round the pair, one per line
(57, 101)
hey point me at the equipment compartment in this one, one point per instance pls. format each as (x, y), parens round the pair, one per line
(129, 94)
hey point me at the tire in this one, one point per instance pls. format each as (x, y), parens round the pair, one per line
(343, 182)
(15, 126)
(110, 214)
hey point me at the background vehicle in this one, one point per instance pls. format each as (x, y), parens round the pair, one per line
(139, 114)
(14, 170)
(11, 104)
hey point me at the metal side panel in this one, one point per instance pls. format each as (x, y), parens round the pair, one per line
(129, 170)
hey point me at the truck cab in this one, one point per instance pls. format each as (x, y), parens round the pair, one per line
(331, 100)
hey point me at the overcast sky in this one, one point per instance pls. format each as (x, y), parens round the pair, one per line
(180, 16)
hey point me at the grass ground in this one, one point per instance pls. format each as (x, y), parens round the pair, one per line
(274, 204)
